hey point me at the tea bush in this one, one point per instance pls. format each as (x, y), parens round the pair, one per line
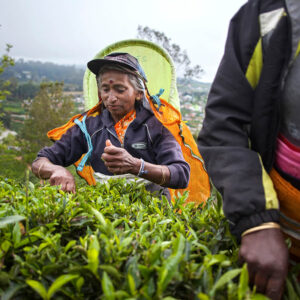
(116, 241)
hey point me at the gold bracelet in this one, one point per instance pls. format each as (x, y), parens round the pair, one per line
(38, 173)
(263, 226)
(163, 176)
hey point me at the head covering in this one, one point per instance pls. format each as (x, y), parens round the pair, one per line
(120, 58)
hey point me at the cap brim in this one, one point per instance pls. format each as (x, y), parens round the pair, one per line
(95, 65)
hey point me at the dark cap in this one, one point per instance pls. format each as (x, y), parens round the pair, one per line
(121, 58)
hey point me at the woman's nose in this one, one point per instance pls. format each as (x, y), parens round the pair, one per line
(111, 96)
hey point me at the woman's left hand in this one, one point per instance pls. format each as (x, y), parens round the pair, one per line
(119, 161)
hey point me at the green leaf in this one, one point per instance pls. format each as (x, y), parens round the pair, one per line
(290, 290)
(59, 282)
(111, 270)
(243, 284)
(10, 220)
(224, 279)
(16, 234)
(9, 293)
(259, 297)
(38, 287)
(99, 216)
(126, 242)
(131, 284)
(107, 287)
(202, 296)
(93, 260)
(170, 266)
(69, 245)
(79, 283)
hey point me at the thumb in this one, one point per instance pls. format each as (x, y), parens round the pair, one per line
(108, 143)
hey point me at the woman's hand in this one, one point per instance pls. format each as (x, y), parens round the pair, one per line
(57, 175)
(119, 161)
(266, 255)
(64, 178)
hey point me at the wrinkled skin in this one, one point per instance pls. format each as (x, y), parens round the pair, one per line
(64, 178)
(57, 175)
(266, 255)
(119, 161)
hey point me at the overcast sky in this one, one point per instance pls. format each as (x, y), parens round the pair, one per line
(74, 31)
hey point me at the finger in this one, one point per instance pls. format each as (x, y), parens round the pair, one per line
(108, 143)
(70, 187)
(275, 288)
(261, 281)
(116, 158)
(64, 187)
(52, 181)
(112, 150)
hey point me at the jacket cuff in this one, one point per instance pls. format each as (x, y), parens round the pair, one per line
(174, 178)
(271, 215)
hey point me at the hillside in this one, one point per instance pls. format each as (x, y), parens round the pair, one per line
(36, 71)
(25, 77)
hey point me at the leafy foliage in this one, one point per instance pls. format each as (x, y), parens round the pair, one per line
(49, 109)
(114, 241)
(38, 72)
(5, 61)
(179, 56)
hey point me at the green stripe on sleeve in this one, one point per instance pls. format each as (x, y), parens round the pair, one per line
(270, 193)
(255, 65)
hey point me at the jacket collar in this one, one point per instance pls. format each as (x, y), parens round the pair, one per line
(142, 114)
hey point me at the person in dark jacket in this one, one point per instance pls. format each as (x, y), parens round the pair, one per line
(250, 138)
(125, 138)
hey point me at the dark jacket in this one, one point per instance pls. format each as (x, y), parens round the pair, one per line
(145, 138)
(238, 137)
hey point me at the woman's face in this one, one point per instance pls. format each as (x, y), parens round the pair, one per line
(117, 94)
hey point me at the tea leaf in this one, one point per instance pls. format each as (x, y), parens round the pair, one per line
(10, 220)
(59, 282)
(243, 284)
(107, 287)
(225, 278)
(38, 287)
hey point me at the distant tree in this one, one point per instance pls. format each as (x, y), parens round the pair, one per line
(180, 57)
(5, 61)
(49, 109)
(38, 72)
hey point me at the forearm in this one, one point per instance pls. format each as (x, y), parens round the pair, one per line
(43, 168)
(158, 174)
(57, 175)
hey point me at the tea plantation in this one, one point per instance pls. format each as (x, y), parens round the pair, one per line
(116, 241)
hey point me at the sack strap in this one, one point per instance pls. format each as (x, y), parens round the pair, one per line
(155, 98)
(85, 158)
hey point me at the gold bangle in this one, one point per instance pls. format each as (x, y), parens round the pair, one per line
(263, 226)
(163, 176)
(38, 173)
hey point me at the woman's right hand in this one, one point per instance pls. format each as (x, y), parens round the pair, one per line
(61, 176)
(57, 175)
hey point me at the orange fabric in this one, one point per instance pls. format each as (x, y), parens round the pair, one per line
(289, 199)
(199, 185)
(123, 124)
(87, 172)
(55, 134)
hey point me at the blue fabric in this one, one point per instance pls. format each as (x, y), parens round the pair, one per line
(155, 98)
(82, 126)
(160, 145)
